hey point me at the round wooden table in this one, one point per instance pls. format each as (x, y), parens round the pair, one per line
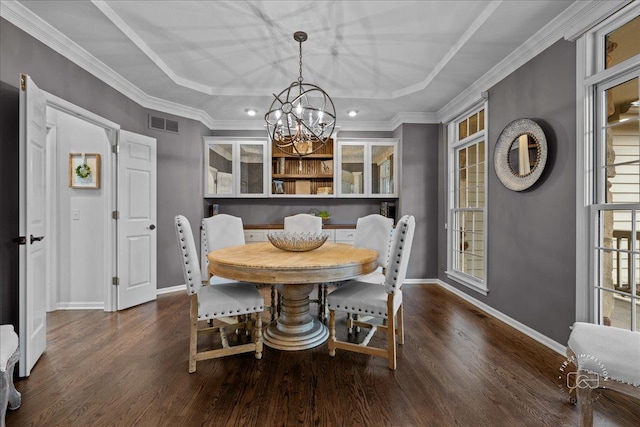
(295, 274)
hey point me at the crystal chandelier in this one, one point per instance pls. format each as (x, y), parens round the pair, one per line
(302, 116)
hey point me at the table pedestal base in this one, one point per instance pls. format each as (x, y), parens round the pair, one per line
(296, 328)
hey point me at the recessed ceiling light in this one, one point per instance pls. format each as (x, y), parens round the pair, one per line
(251, 112)
(353, 113)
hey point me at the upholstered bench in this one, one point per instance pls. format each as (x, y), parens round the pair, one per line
(605, 357)
(9, 355)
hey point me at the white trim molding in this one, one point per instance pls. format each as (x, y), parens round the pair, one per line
(80, 306)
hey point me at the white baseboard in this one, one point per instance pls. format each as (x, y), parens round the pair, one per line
(79, 306)
(170, 289)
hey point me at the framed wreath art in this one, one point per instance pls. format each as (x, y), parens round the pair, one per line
(84, 170)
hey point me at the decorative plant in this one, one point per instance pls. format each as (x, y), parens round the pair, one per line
(83, 170)
(324, 214)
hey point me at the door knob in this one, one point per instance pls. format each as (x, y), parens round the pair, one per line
(36, 239)
(152, 227)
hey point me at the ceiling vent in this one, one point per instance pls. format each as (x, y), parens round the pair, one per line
(160, 123)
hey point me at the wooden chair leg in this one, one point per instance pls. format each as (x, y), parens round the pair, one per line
(391, 334)
(400, 323)
(193, 332)
(332, 333)
(584, 396)
(258, 328)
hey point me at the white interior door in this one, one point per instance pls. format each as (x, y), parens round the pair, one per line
(32, 282)
(136, 205)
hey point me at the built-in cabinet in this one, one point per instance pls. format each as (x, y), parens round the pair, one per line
(354, 168)
(311, 174)
(367, 168)
(235, 167)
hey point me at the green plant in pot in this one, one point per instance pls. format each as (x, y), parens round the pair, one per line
(325, 215)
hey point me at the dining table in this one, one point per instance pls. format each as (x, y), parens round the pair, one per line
(295, 274)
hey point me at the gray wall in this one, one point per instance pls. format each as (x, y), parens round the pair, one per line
(179, 156)
(531, 234)
(419, 195)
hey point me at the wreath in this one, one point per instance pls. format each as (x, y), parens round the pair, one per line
(83, 170)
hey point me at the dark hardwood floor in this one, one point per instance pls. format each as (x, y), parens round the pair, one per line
(458, 366)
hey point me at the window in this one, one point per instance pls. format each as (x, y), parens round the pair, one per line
(612, 171)
(467, 202)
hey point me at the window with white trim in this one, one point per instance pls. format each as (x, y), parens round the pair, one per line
(613, 94)
(467, 200)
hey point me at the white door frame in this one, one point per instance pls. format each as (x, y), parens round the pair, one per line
(109, 168)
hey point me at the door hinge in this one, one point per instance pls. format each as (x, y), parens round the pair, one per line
(115, 281)
(22, 240)
(115, 148)
(115, 214)
(23, 81)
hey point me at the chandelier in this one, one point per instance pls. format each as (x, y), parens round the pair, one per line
(302, 117)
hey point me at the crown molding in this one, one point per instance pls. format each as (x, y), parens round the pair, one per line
(572, 22)
(37, 28)
(592, 14)
(579, 15)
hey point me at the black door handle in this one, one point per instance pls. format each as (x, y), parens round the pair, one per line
(36, 239)
(152, 227)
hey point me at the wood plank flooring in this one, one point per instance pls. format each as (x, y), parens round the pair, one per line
(458, 367)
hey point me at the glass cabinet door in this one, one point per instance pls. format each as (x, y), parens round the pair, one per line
(352, 164)
(235, 167)
(252, 168)
(218, 169)
(383, 168)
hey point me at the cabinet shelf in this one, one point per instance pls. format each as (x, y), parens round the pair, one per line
(301, 176)
(307, 156)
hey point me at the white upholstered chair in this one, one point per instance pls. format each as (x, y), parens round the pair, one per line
(9, 355)
(303, 223)
(221, 231)
(224, 300)
(371, 299)
(374, 232)
(605, 357)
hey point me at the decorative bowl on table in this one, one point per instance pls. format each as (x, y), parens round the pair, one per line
(297, 242)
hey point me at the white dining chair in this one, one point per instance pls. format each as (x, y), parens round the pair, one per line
(380, 302)
(9, 355)
(224, 300)
(221, 231)
(605, 357)
(374, 232)
(303, 223)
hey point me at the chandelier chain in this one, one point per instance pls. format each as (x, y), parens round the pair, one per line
(300, 57)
